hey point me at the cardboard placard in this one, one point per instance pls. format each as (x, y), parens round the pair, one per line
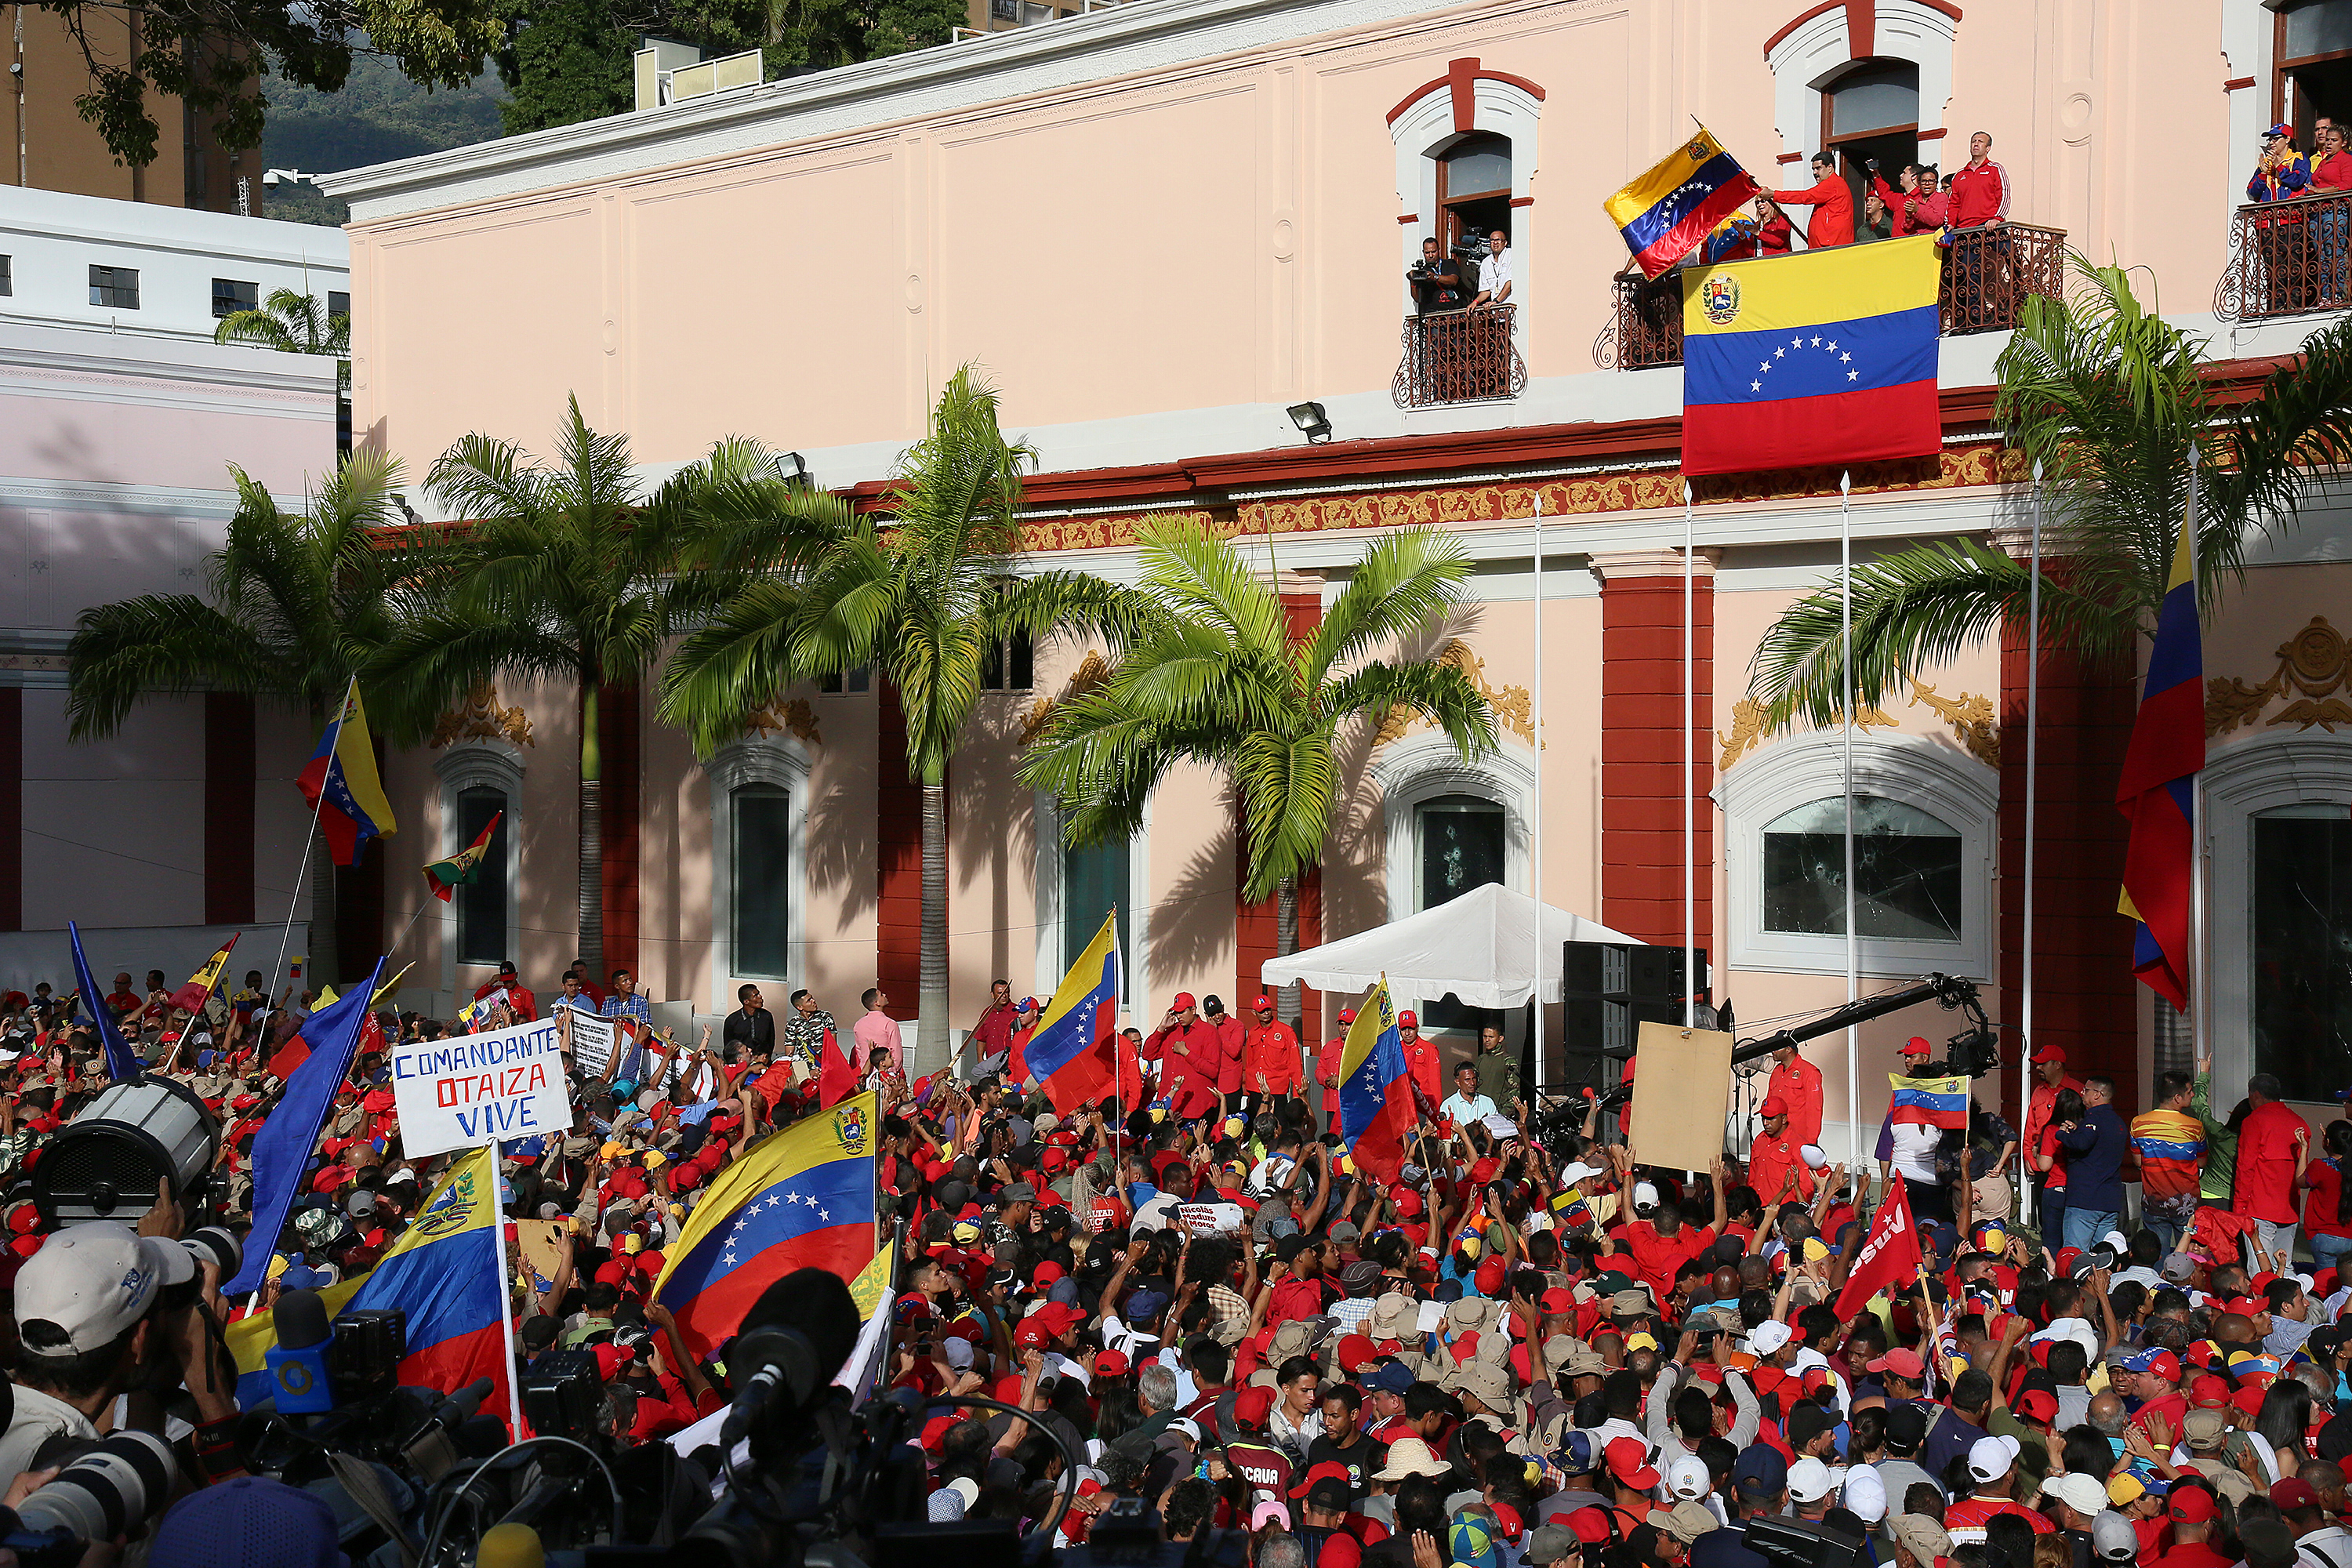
(1680, 1095)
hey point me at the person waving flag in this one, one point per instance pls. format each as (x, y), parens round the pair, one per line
(1376, 1109)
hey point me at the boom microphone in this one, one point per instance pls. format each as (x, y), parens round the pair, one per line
(795, 1340)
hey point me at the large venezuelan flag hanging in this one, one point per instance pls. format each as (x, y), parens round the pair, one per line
(1669, 210)
(1827, 357)
(2158, 788)
(1376, 1115)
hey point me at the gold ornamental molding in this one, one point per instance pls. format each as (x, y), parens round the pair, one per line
(1971, 718)
(2314, 666)
(1514, 708)
(795, 718)
(1091, 672)
(1748, 729)
(479, 718)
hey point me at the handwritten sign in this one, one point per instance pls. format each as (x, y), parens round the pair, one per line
(591, 1040)
(478, 1088)
(1213, 1219)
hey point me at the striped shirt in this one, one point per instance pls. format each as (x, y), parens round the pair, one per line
(2171, 1149)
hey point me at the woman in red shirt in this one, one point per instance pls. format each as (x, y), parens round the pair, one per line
(2331, 175)
(2328, 1200)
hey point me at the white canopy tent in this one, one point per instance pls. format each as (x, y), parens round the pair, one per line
(1481, 947)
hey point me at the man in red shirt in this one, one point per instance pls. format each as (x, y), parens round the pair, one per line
(1831, 198)
(1979, 200)
(2050, 1076)
(1326, 1069)
(1270, 1058)
(1187, 1049)
(1420, 1056)
(2157, 1375)
(1797, 1085)
(992, 1035)
(2273, 1144)
(1981, 190)
(1662, 1244)
(123, 999)
(2193, 1512)
(1232, 1045)
(1774, 1155)
(520, 1001)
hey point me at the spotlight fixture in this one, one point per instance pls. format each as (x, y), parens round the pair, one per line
(790, 468)
(1310, 418)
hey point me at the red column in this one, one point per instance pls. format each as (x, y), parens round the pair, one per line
(1642, 694)
(228, 809)
(1257, 928)
(619, 727)
(2085, 997)
(898, 841)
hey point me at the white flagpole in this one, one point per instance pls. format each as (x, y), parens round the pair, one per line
(1690, 764)
(2032, 761)
(505, 1299)
(1536, 817)
(1852, 937)
(2200, 955)
(334, 738)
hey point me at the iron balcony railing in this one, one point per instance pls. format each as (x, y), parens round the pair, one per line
(1459, 356)
(1988, 274)
(2286, 259)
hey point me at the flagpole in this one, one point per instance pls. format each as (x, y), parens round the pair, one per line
(334, 735)
(1534, 825)
(1852, 937)
(2200, 957)
(1690, 764)
(506, 1285)
(2033, 760)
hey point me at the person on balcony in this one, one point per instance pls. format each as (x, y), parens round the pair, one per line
(1831, 198)
(1877, 222)
(1768, 232)
(1495, 272)
(2331, 175)
(1914, 206)
(1979, 199)
(1980, 188)
(2282, 173)
(1437, 280)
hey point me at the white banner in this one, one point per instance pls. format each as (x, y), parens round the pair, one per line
(592, 1041)
(478, 1088)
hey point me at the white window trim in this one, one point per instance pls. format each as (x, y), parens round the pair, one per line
(1135, 961)
(780, 761)
(1423, 767)
(2241, 781)
(1802, 63)
(1911, 769)
(480, 765)
(1498, 107)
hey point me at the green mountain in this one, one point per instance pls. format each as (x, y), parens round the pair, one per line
(380, 115)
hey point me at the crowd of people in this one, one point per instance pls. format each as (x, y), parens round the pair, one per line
(1519, 1345)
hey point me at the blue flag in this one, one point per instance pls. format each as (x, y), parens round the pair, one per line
(120, 1063)
(290, 1134)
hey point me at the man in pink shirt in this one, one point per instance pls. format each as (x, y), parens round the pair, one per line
(875, 1028)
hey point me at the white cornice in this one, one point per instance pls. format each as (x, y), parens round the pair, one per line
(1097, 46)
(120, 499)
(38, 353)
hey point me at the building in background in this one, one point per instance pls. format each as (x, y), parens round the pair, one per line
(1176, 233)
(117, 416)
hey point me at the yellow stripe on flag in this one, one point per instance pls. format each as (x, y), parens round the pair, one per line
(355, 752)
(1843, 284)
(1661, 179)
(1374, 1015)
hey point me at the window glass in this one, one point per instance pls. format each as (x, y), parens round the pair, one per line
(2303, 947)
(482, 903)
(7, 276)
(230, 296)
(338, 304)
(1906, 870)
(764, 841)
(1093, 880)
(115, 288)
(1874, 97)
(1478, 167)
(1462, 847)
(2318, 27)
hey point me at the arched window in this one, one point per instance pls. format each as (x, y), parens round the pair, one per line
(762, 881)
(1463, 841)
(1474, 191)
(1870, 111)
(482, 936)
(1906, 870)
(2301, 915)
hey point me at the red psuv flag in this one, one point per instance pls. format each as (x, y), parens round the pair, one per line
(1889, 1256)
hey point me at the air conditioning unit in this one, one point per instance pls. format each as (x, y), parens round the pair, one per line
(670, 73)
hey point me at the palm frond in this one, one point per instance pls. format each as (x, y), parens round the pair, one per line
(1425, 689)
(121, 651)
(1405, 581)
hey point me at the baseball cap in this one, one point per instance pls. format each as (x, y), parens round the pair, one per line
(1183, 1000)
(1770, 1336)
(1629, 1462)
(1903, 1362)
(250, 1514)
(2038, 1404)
(94, 1282)
(1261, 1005)
(1760, 1472)
(1773, 1106)
(1925, 1538)
(2081, 1493)
(1251, 1407)
(1687, 1478)
(1809, 1480)
(2113, 1539)
(2281, 130)
(1549, 1543)
(2293, 1493)
(1990, 1457)
(2191, 1505)
(1389, 1377)
(1408, 1020)
(2050, 1053)
(2163, 1364)
(1918, 1046)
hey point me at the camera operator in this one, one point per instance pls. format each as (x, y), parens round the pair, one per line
(100, 1314)
(1437, 280)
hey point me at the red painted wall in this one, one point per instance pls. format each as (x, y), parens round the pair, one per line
(228, 809)
(1641, 755)
(898, 835)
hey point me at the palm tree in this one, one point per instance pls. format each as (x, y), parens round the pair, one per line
(564, 572)
(2107, 397)
(1212, 676)
(294, 324)
(300, 605)
(926, 601)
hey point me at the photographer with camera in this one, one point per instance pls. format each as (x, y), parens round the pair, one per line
(1436, 282)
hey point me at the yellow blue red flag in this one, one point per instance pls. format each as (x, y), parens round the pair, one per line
(803, 1199)
(443, 1272)
(341, 784)
(2157, 790)
(1668, 211)
(1376, 1109)
(1826, 357)
(1076, 1053)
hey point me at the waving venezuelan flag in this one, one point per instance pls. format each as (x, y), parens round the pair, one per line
(443, 1272)
(340, 782)
(803, 1199)
(1076, 1052)
(1376, 1113)
(1668, 211)
(2158, 788)
(1826, 357)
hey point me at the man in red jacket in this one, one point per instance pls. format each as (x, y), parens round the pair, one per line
(1231, 1041)
(1981, 271)
(1832, 200)
(1981, 190)
(1185, 1045)
(1272, 1065)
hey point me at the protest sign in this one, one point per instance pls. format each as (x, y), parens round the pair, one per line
(1213, 1219)
(591, 1040)
(478, 1088)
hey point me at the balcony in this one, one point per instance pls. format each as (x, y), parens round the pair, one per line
(1459, 356)
(1988, 274)
(2286, 259)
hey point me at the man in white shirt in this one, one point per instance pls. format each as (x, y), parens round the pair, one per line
(1465, 1104)
(1495, 272)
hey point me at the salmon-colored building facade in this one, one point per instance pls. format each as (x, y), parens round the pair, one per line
(1161, 228)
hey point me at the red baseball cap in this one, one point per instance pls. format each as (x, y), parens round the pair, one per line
(2248, 1399)
(1183, 1000)
(1347, 1015)
(2036, 1404)
(1773, 1106)
(1629, 1462)
(1903, 1362)
(2292, 1493)
(1250, 1405)
(1408, 1203)
(2191, 1505)
(1356, 1353)
(1408, 1021)
(1557, 1302)
(1111, 1363)
(1047, 1274)
(1263, 1005)
(2050, 1053)
(1918, 1046)
(2209, 1391)
(1490, 1276)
